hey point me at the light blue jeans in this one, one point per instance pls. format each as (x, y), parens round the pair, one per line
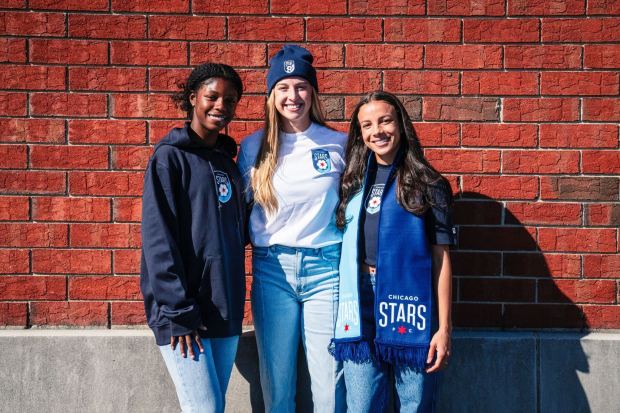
(368, 388)
(368, 384)
(201, 384)
(294, 296)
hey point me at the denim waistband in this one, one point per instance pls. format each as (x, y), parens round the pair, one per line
(283, 249)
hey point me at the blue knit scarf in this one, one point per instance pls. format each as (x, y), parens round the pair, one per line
(403, 294)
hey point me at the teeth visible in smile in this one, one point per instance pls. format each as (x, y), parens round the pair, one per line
(293, 106)
(218, 117)
(381, 142)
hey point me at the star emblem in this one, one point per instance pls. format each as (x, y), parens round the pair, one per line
(402, 330)
(346, 327)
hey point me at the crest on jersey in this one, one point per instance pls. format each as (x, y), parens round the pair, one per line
(222, 186)
(321, 160)
(289, 66)
(373, 200)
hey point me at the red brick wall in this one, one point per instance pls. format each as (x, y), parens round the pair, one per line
(517, 102)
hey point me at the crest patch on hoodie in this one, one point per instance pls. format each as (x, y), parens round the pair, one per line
(222, 186)
(321, 160)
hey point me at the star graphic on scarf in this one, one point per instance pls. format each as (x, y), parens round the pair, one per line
(402, 330)
(346, 327)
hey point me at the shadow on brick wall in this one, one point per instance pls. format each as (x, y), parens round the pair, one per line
(502, 278)
(503, 281)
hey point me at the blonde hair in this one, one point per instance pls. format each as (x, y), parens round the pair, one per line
(267, 159)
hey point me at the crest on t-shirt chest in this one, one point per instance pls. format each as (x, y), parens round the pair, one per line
(321, 160)
(373, 200)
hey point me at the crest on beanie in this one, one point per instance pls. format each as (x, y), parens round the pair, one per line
(289, 66)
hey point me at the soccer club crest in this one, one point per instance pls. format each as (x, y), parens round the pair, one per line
(373, 200)
(321, 160)
(289, 66)
(222, 186)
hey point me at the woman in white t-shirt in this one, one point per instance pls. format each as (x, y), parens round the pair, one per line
(292, 170)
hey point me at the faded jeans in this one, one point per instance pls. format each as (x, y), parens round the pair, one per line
(201, 384)
(294, 297)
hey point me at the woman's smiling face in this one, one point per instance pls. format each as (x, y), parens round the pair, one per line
(380, 130)
(293, 101)
(214, 105)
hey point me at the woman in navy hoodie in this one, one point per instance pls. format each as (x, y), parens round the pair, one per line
(193, 236)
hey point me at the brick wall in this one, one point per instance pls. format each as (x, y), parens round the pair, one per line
(517, 102)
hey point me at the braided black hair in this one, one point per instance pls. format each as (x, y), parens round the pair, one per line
(198, 76)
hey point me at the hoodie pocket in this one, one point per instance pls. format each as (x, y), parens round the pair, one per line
(204, 289)
(217, 294)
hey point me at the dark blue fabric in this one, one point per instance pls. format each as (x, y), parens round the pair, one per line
(439, 227)
(193, 238)
(291, 60)
(404, 304)
(404, 282)
(377, 179)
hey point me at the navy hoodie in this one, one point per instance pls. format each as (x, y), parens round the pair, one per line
(193, 237)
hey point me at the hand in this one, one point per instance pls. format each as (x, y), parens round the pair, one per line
(439, 350)
(185, 342)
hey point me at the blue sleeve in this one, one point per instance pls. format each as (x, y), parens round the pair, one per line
(245, 168)
(439, 226)
(160, 245)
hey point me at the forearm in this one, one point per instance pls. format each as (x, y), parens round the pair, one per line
(442, 276)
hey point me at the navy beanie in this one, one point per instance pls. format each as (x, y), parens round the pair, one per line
(291, 60)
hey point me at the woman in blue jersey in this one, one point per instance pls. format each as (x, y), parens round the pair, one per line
(193, 219)
(292, 169)
(395, 275)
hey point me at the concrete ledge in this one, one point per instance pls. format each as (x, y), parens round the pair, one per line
(122, 371)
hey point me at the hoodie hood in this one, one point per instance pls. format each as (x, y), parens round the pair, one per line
(185, 137)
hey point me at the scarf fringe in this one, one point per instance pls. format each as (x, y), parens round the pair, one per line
(414, 357)
(355, 351)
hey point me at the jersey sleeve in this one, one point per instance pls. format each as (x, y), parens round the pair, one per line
(439, 222)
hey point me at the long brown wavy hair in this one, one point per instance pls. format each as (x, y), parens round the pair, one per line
(419, 185)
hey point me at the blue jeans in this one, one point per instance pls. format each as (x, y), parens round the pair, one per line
(294, 296)
(201, 384)
(368, 384)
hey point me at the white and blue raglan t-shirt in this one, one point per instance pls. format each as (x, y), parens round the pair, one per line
(306, 183)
